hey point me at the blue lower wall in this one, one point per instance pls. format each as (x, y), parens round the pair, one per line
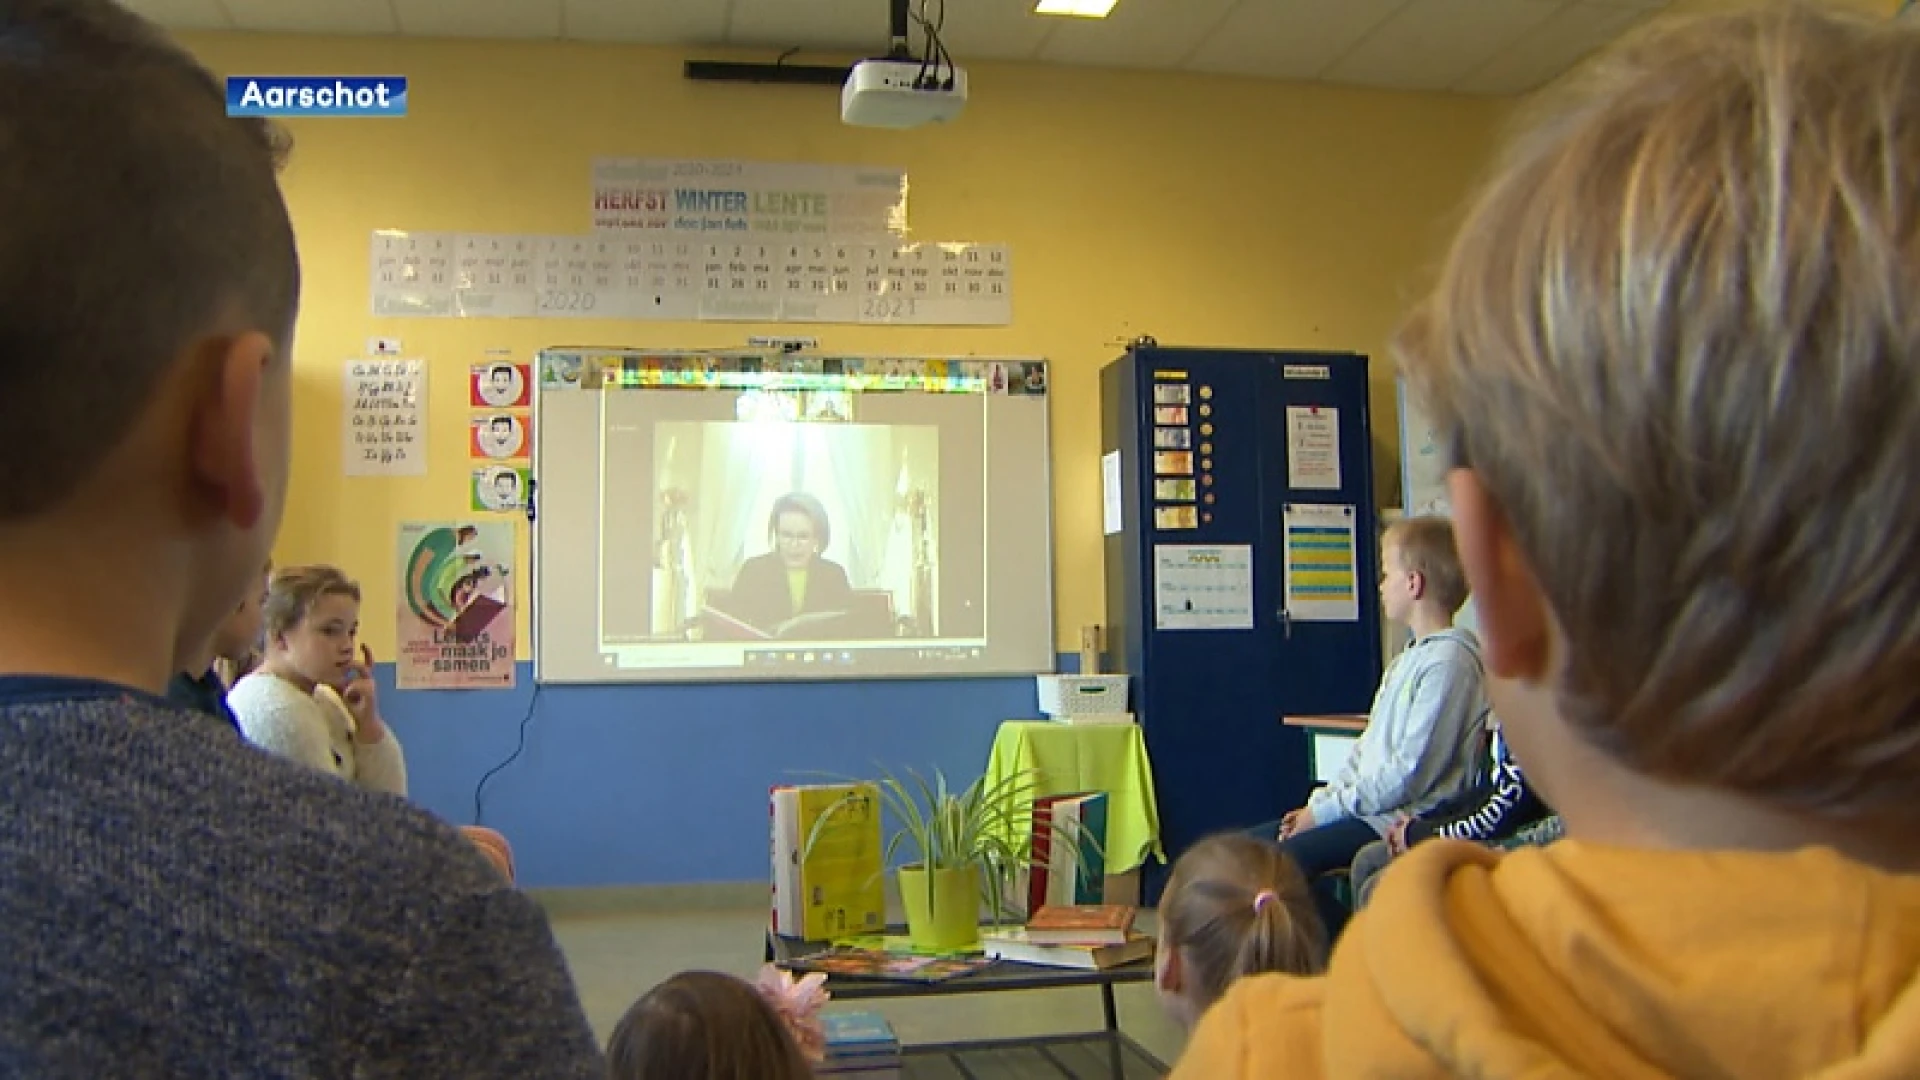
(625, 785)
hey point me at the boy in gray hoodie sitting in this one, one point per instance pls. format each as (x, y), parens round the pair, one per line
(1426, 717)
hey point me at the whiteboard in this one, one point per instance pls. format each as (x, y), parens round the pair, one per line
(1423, 481)
(754, 516)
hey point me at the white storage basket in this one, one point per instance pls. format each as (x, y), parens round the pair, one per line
(1078, 695)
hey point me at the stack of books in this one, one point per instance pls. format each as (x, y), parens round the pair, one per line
(860, 1045)
(1090, 937)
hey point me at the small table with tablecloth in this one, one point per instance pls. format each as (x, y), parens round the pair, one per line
(1066, 758)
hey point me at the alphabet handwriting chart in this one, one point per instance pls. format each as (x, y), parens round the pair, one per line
(384, 422)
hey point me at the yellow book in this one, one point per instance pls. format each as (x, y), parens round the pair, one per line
(841, 886)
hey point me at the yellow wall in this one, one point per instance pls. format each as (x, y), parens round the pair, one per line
(1203, 211)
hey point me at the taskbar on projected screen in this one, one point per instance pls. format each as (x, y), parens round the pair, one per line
(824, 657)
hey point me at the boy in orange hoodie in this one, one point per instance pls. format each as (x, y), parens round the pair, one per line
(1677, 344)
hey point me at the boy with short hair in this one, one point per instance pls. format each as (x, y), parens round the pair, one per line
(1426, 715)
(202, 687)
(176, 903)
(1677, 347)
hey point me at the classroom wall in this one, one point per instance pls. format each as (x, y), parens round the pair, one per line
(1202, 211)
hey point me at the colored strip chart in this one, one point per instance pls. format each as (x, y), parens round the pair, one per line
(1321, 570)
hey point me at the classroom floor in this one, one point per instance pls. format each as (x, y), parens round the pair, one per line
(616, 955)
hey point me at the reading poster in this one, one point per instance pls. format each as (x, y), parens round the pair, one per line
(455, 606)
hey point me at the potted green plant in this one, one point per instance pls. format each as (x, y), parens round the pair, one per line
(963, 844)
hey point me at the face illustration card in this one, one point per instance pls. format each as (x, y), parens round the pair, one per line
(499, 436)
(500, 386)
(499, 488)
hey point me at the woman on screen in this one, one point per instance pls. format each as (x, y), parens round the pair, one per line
(792, 580)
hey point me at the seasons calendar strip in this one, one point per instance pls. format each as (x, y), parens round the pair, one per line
(680, 279)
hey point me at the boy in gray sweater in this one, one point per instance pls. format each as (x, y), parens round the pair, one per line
(1416, 750)
(173, 902)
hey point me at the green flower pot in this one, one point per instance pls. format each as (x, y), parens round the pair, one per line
(952, 922)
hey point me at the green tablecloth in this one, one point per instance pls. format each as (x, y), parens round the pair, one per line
(1068, 758)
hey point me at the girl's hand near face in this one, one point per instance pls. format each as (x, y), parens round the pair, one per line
(363, 701)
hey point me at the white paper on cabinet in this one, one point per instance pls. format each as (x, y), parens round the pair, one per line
(1313, 448)
(1203, 587)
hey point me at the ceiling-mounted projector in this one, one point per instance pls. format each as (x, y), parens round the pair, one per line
(902, 93)
(901, 90)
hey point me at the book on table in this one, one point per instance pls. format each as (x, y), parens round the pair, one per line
(857, 963)
(1016, 946)
(1081, 924)
(1054, 876)
(835, 889)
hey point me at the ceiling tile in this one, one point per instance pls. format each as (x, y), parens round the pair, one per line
(1548, 50)
(1433, 44)
(996, 30)
(479, 18)
(1139, 33)
(971, 29)
(1289, 39)
(181, 14)
(855, 26)
(657, 22)
(372, 17)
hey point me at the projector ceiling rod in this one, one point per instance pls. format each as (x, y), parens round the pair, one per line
(902, 49)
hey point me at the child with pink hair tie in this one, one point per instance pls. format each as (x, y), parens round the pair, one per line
(1234, 905)
(797, 1002)
(703, 1025)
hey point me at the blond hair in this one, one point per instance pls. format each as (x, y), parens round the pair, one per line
(1677, 340)
(1235, 905)
(292, 592)
(1426, 548)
